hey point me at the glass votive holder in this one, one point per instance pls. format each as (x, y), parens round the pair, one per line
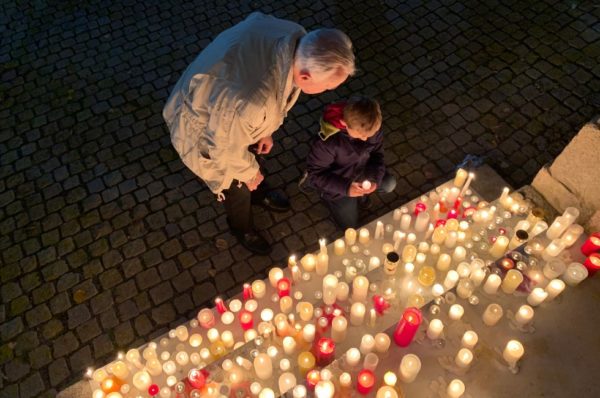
(554, 268)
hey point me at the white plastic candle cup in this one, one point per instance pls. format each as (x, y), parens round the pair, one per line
(410, 366)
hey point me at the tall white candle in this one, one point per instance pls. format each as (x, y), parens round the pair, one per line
(451, 279)
(353, 356)
(322, 264)
(537, 296)
(339, 247)
(461, 176)
(435, 328)
(360, 288)
(289, 345)
(263, 367)
(323, 246)
(557, 228)
(459, 254)
(367, 344)
(513, 352)
(363, 236)
(342, 291)
(524, 315)
(330, 283)
(350, 236)
(275, 274)
(410, 366)
(499, 247)
(339, 325)
(492, 284)
(572, 234)
(357, 313)
(379, 230)
(456, 312)
(492, 314)
(422, 221)
(451, 239)
(511, 281)
(554, 288)
(308, 332)
(467, 184)
(405, 221)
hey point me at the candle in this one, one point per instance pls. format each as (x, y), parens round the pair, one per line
(379, 230)
(426, 276)
(263, 366)
(456, 389)
(365, 381)
(409, 253)
(246, 319)
(513, 352)
(285, 304)
(553, 249)
(409, 368)
(443, 263)
(572, 234)
(339, 247)
(342, 291)
(382, 342)
(308, 332)
(422, 221)
(386, 392)
(591, 245)
(352, 357)
(537, 296)
(492, 284)
(339, 325)
(371, 361)
(283, 287)
(557, 228)
(366, 185)
(592, 263)
(220, 305)
(463, 358)
(519, 238)
(289, 345)
(492, 314)
(459, 179)
(524, 315)
(467, 184)
(477, 276)
(322, 246)
(275, 274)
(357, 314)
(324, 389)
(465, 288)
(554, 288)
(499, 246)
(367, 344)
(435, 328)
(574, 274)
(305, 310)
(142, 380)
(456, 312)
(360, 289)
(196, 378)
(380, 304)
(325, 351)
(511, 281)
(287, 381)
(312, 378)
(206, 318)
(350, 236)
(405, 221)
(330, 283)
(439, 235)
(407, 326)
(469, 339)
(345, 380)
(538, 228)
(363, 236)
(459, 254)
(308, 262)
(374, 263)
(259, 288)
(451, 239)
(322, 264)
(451, 279)
(554, 268)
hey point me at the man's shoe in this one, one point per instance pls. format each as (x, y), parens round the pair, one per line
(254, 242)
(275, 201)
(365, 202)
(303, 185)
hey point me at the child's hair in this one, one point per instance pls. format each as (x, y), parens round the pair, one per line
(363, 114)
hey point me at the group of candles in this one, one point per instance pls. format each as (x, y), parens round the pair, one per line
(300, 340)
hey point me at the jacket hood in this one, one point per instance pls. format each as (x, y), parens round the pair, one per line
(331, 122)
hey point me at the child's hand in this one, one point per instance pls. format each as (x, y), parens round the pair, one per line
(255, 181)
(356, 190)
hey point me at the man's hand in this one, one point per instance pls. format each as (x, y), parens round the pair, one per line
(264, 145)
(255, 181)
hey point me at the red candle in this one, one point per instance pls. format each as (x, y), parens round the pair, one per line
(153, 390)
(325, 351)
(469, 211)
(312, 378)
(380, 304)
(407, 326)
(458, 202)
(452, 213)
(592, 263)
(196, 378)
(591, 245)
(248, 292)
(246, 319)
(440, 222)
(283, 287)
(365, 381)
(220, 305)
(419, 207)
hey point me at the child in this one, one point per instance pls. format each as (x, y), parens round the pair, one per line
(345, 163)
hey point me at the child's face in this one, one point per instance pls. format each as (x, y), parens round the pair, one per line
(360, 135)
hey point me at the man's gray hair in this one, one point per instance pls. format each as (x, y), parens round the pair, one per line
(324, 51)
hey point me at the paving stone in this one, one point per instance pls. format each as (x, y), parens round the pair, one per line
(58, 371)
(64, 344)
(40, 357)
(78, 315)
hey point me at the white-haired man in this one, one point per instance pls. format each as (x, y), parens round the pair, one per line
(235, 95)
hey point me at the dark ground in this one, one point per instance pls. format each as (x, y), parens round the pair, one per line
(107, 240)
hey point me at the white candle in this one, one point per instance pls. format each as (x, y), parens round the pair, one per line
(374, 262)
(461, 176)
(322, 264)
(499, 247)
(511, 281)
(463, 358)
(263, 367)
(435, 328)
(492, 284)
(339, 247)
(142, 380)
(524, 315)
(357, 314)
(537, 296)
(455, 389)
(379, 230)
(469, 339)
(342, 291)
(367, 344)
(456, 312)
(557, 228)
(538, 228)
(309, 262)
(444, 261)
(259, 288)
(451, 239)
(227, 338)
(437, 290)
(405, 221)
(285, 304)
(410, 366)
(513, 352)
(554, 248)
(353, 356)
(308, 332)
(330, 283)
(554, 288)
(366, 185)
(363, 236)
(382, 342)
(275, 274)
(360, 288)
(339, 325)
(287, 381)
(324, 389)
(504, 195)
(492, 314)
(289, 345)
(467, 184)
(477, 276)
(572, 234)
(574, 274)
(422, 221)
(350, 236)
(451, 279)
(322, 246)
(459, 254)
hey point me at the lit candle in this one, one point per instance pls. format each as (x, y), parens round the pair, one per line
(259, 288)
(308, 262)
(524, 315)
(287, 381)
(435, 328)
(492, 284)
(451, 239)
(308, 332)
(367, 344)
(499, 246)
(519, 238)
(463, 358)
(439, 235)
(366, 185)
(459, 254)
(312, 379)
(263, 367)
(554, 288)
(426, 275)
(405, 221)
(371, 361)
(592, 263)
(410, 366)
(455, 389)
(456, 312)
(365, 381)
(513, 352)
(459, 179)
(511, 281)
(220, 305)
(325, 351)
(342, 291)
(339, 325)
(196, 378)
(330, 283)
(350, 236)
(357, 314)
(339, 247)
(352, 357)
(538, 228)
(444, 261)
(465, 288)
(322, 264)
(574, 274)
(451, 279)
(553, 249)
(120, 370)
(386, 392)
(142, 380)
(305, 310)
(407, 326)
(409, 253)
(572, 234)
(360, 289)
(283, 287)
(537, 296)
(382, 342)
(556, 228)
(492, 314)
(285, 304)
(247, 293)
(591, 245)
(206, 318)
(275, 274)
(469, 339)
(422, 221)
(379, 230)
(324, 389)
(246, 319)
(289, 345)
(363, 236)
(306, 361)
(380, 304)
(467, 184)
(374, 262)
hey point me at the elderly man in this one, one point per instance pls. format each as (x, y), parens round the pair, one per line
(235, 95)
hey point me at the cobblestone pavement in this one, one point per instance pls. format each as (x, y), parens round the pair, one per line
(107, 240)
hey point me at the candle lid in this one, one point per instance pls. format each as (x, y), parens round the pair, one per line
(392, 257)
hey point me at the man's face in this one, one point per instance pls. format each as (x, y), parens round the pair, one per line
(311, 85)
